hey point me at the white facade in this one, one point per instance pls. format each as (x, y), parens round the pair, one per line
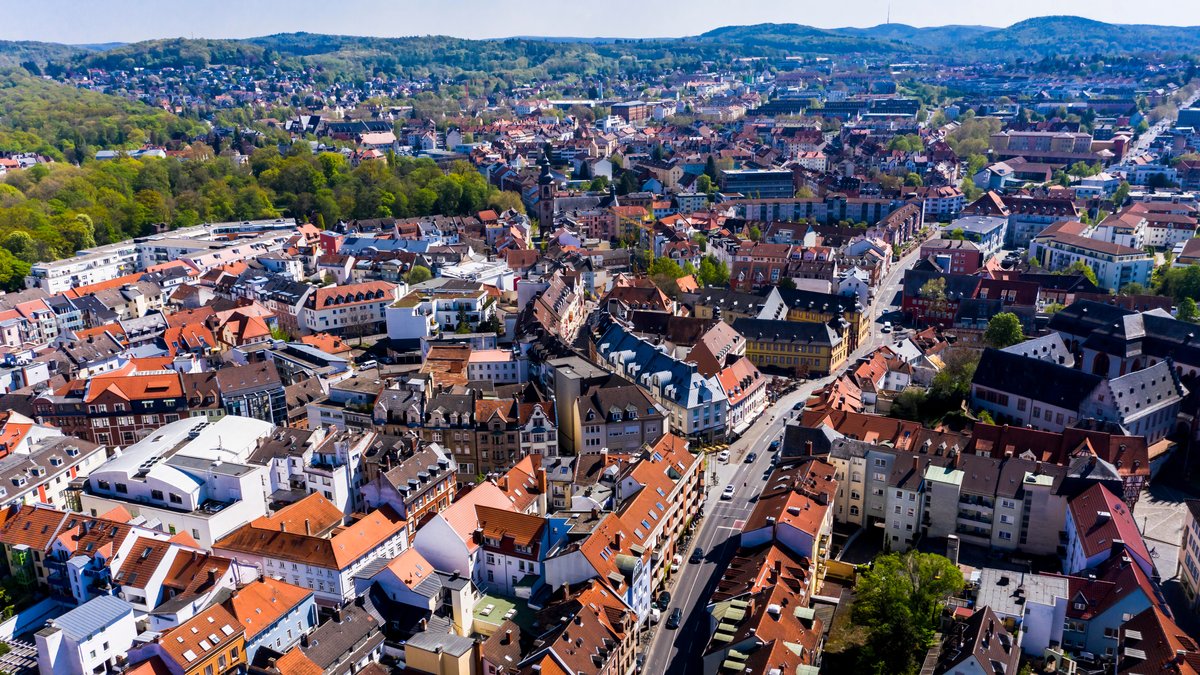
(86, 639)
(103, 263)
(189, 476)
(498, 365)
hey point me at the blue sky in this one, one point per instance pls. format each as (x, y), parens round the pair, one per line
(84, 21)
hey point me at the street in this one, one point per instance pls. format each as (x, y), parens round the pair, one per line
(680, 650)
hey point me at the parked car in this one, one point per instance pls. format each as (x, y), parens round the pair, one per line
(697, 556)
(664, 600)
(724, 456)
(675, 619)
(887, 326)
(775, 444)
(727, 493)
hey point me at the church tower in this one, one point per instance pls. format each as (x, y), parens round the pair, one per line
(545, 205)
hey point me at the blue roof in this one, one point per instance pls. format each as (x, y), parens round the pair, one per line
(92, 616)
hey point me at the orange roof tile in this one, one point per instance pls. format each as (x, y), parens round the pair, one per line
(261, 603)
(192, 640)
(294, 662)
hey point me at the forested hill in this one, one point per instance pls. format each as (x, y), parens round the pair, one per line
(65, 123)
(52, 210)
(518, 58)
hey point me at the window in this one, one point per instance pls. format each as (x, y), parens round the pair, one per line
(156, 494)
(122, 488)
(1005, 535)
(176, 499)
(208, 670)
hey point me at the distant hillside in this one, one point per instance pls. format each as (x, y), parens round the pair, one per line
(518, 59)
(936, 39)
(172, 53)
(16, 53)
(790, 37)
(1075, 35)
(63, 122)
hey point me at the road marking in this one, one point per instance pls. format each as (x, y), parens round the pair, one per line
(739, 524)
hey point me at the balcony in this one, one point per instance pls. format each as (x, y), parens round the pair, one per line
(974, 517)
(976, 501)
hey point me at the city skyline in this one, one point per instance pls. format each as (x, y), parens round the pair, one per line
(109, 21)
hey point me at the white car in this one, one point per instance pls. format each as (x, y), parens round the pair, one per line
(727, 493)
(887, 326)
(724, 456)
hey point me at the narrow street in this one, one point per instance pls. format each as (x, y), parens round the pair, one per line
(680, 650)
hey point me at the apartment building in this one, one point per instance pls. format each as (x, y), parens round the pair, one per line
(190, 475)
(312, 544)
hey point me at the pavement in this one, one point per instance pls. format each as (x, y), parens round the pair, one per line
(680, 650)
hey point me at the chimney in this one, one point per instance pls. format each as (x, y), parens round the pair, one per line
(212, 576)
(283, 527)
(304, 639)
(617, 541)
(808, 448)
(916, 463)
(507, 637)
(307, 527)
(337, 615)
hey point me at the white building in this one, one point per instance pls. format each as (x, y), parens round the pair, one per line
(348, 309)
(87, 639)
(501, 366)
(103, 263)
(447, 540)
(189, 476)
(491, 272)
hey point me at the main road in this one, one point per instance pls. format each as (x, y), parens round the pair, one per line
(679, 651)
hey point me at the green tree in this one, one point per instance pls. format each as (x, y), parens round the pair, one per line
(710, 169)
(898, 600)
(953, 382)
(934, 293)
(704, 184)
(1080, 267)
(755, 233)
(1003, 330)
(418, 274)
(957, 234)
(1121, 194)
(463, 326)
(713, 272)
(665, 267)
(909, 404)
(1187, 310)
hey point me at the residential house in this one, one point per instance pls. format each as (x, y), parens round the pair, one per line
(307, 544)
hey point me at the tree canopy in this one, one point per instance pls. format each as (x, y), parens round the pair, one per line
(898, 600)
(1004, 330)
